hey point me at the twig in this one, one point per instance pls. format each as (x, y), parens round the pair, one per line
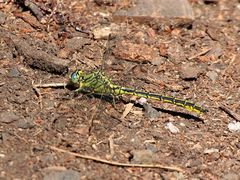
(38, 94)
(19, 137)
(48, 85)
(111, 144)
(55, 168)
(230, 64)
(230, 112)
(200, 54)
(94, 109)
(1, 84)
(113, 163)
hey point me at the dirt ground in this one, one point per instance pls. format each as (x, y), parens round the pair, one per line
(44, 41)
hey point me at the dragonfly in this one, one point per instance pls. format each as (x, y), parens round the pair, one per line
(98, 83)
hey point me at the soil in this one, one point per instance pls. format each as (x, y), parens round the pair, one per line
(44, 41)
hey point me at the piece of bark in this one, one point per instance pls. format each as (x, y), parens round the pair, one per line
(28, 18)
(40, 59)
(34, 57)
(34, 8)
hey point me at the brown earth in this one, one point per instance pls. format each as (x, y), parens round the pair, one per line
(43, 42)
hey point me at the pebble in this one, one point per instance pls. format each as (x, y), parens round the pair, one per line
(142, 156)
(14, 72)
(188, 72)
(75, 44)
(5, 137)
(3, 71)
(63, 53)
(231, 176)
(182, 124)
(102, 33)
(234, 126)
(142, 101)
(135, 52)
(212, 75)
(150, 112)
(172, 128)
(210, 151)
(215, 52)
(62, 175)
(2, 18)
(158, 61)
(8, 117)
(25, 123)
(82, 130)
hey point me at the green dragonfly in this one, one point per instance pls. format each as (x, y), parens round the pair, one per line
(98, 83)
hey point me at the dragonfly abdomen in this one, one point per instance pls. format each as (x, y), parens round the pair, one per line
(167, 99)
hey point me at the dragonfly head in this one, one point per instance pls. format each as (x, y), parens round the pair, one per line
(76, 77)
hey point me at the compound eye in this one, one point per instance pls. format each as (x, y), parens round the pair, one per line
(74, 77)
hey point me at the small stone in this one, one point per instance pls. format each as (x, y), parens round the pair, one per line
(158, 61)
(188, 72)
(2, 155)
(102, 33)
(75, 44)
(25, 123)
(157, 135)
(151, 147)
(212, 75)
(47, 158)
(234, 126)
(193, 163)
(14, 73)
(142, 101)
(2, 18)
(150, 112)
(3, 71)
(8, 117)
(62, 175)
(5, 137)
(64, 53)
(231, 176)
(172, 128)
(210, 151)
(142, 156)
(135, 52)
(82, 130)
(215, 52)
(182, 124)
(60, 123)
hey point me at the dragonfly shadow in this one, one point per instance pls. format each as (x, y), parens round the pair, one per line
(107, 98)
(181, 114)
(176, 113)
